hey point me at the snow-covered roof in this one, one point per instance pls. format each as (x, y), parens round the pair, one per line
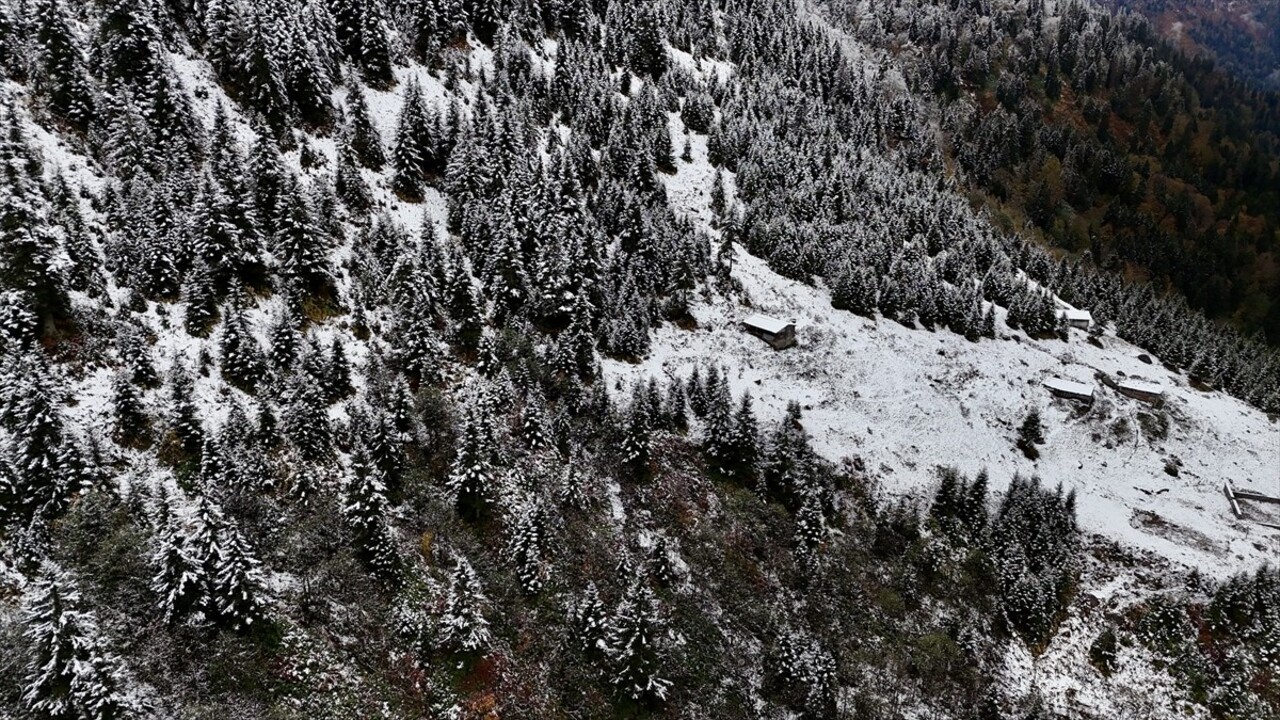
(766, 323)
(1141, 387)
(1074, 315)
(1069, 387)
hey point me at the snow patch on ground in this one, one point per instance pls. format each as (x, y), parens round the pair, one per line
(909, 400)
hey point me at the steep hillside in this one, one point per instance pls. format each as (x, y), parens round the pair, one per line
(1243, 36)
(382, 359)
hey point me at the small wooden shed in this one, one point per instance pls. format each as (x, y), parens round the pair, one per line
(1081, 319)
(778, 333)
(1070, 390)
(1145, 392)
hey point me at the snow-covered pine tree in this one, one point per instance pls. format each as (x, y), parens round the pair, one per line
(471, 479)
(237, 583)
(362, 136)
(744, 442)
(414, 156)
(361, 31)
(634, 647)
(365, 508)
(201, 300)
(810, 524)
(130, 425)
(179, 582)
(306, 418)
(62, 75)
(258, 76)
(350, 185)
(634, 450)
(184, 418)
(30, 256)
(337, 376)
(285, 339)
(47, 464)
(300, 246)
(465, 307)
(243, 364)
(527, 545)
(462, 626)
(70, 674)
(268, 182)
(589, 623)
(307, 81)
(1031, 434)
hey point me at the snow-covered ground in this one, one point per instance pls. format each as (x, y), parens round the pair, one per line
(909, 400)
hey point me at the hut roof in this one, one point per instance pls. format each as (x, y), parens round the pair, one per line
(766, 323)
(1074, 315)
(1141, 387)
(1069, 387)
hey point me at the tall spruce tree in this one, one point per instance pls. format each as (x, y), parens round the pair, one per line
(71, 674)
(63, 75)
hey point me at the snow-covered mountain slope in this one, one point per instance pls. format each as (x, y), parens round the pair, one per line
(908, 400)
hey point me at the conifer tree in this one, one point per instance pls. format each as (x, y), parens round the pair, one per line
(178, 582)
(184, 420)
(243, 364)
(269, 183)
(526, 547)
(810, 524)
(365, 508)
(635, 447)
(30, 259)
(415, 153)
(463, 627)
(306, 418)
(47, 465)
(486, 17)
(362, 34)
(63, 75)
(1031, 434)
(301, 246)
(130, 424)
(70, 675)
(464, 308)
(237, 583)
(259, 76)
(635, 657)
(350, 185)
(220, 22)
(364, 139)
(306, 78)
(533, 423)
(471, 479)
(744, 442)
(424, 30)
(285, 338)
(201, 299)
(86, 269)
(337, 378)
(589, 622)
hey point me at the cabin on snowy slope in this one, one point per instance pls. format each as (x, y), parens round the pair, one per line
(1074, 317)
(779, 334)
(1070, 390)
(1145, 392)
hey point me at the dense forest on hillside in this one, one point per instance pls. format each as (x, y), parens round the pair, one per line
(1241, 36)
(1093, 130)
(303, 312)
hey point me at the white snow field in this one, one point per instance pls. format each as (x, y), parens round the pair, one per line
(908, 400)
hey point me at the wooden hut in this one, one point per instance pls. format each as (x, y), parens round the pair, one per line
(1070, 390)
(1145, 392)
(1081, 319)
(778, 333)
